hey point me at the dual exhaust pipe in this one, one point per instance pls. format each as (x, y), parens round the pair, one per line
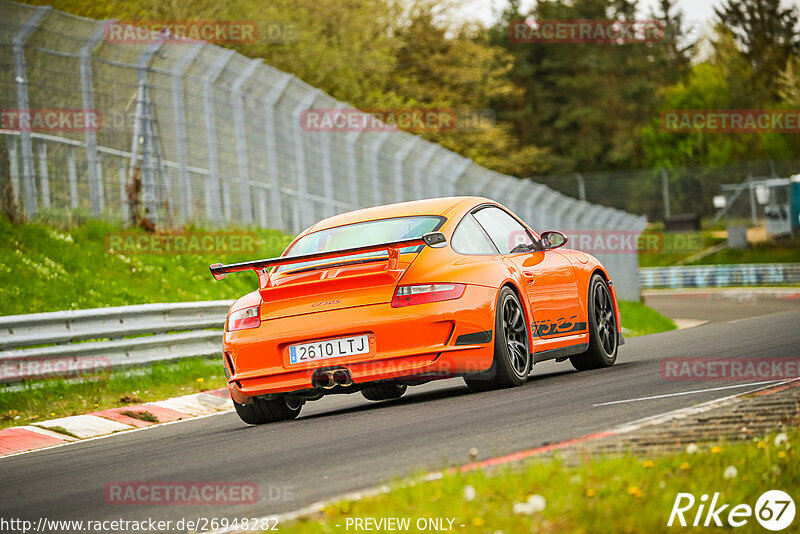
(331, 378)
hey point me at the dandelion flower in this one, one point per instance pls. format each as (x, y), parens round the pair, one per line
(761, 445)
(478, 522)
(691, 448)
(648, 463)
(781, 454)
(469, 493)
(590, 492)
(200, 380)
(538, 502)
(52, 413)
(730, 472)
(716, 449)
(685, 465)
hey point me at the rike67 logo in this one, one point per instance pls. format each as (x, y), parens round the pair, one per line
(774, 510)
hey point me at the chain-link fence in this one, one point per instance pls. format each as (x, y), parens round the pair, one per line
(203, 135)
(660, 193)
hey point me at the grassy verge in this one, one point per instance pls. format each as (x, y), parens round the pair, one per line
(54, 269)
(608, 494)
(781, 251)
(49, 399)
(641, 320)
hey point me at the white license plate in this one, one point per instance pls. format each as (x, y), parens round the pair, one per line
(332, 348)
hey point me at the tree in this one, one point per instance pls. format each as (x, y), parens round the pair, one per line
(768, 36)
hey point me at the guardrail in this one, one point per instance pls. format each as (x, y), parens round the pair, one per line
(748, 274)
(61, 343)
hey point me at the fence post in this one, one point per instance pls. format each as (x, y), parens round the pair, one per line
(352, 166)
(13, 164)
(178, 71)
(72, 178)
(18, 45)
(399, 157)
(481, 185)
(375, 169)
(123, 195)
(142, 129)
(422, 164)
(452, 178)
(327, 171)
(300, 212)
(44, 174)
(237, 99)
(212, 188)
(272, 97)
(93, 167)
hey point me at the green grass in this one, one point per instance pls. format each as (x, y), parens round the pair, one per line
(49, 269)
(49, 399)
(780, 251)
(600, 494)
(641, 320)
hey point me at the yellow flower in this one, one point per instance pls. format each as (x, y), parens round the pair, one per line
(52, 413)
(200, 380)
(761, 444)
(633, 490)
(96, 405)
(590, 492)
(685, 465)
(477, 522)
(782, 454)
(648, 463)
(716, 449)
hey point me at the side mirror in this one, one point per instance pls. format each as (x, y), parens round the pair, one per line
(435, 239)
(553, 239)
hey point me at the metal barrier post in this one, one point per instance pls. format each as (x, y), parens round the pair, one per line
(44, 175)
(93, 167)
(178, 71)
(400, 157)
(300, 210)
(237, 99)
(18, 45)
(275, 207)
(212, 189)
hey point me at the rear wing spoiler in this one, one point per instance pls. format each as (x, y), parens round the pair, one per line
(432, 239)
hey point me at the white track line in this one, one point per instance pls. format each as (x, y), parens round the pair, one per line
(748, 384)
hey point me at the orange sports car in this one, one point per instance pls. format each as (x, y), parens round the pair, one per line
(382, 298)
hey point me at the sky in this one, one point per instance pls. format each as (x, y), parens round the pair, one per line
(695, 11)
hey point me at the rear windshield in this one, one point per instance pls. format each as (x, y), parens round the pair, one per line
(360, 235)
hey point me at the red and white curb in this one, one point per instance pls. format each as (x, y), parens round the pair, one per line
(105, 422)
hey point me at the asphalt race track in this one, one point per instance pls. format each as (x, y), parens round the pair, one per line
(345, 443)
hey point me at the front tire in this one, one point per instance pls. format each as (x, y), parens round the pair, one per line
(603, 336)
(512, 356)
(262, 411)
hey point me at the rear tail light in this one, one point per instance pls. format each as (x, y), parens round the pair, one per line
(423, 293)
(243, 319)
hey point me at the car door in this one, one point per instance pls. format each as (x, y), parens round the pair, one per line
(550, 282)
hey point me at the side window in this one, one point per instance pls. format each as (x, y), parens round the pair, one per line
(504, 230)
(469, 238)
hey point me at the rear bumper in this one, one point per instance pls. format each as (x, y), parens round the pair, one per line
(404, 342)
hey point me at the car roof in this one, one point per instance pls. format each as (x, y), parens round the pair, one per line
(429, 206)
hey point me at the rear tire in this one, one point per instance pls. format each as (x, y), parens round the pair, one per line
(262, 411)
(603, 336)
(385, 391)
(512, 356)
